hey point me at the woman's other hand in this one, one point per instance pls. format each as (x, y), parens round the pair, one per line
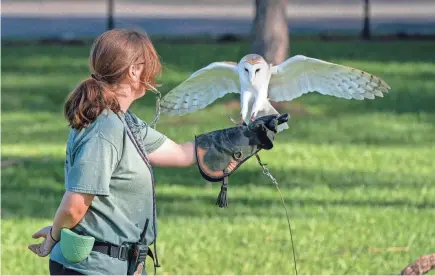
(44, 248)
(71, 210)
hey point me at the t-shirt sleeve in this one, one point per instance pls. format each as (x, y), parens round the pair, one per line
(152, 139)
(92, 167)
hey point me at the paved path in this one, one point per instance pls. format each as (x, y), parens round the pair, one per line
(47, 18)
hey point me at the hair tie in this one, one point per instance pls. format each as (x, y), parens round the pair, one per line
(95, 77)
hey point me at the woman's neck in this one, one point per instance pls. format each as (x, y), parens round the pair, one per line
(124, 96)
(124, 103)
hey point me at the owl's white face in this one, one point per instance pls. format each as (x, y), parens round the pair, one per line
(253, 69)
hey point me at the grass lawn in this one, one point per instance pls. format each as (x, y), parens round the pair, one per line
(357, 176)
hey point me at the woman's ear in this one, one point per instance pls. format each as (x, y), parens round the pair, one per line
(133, 72)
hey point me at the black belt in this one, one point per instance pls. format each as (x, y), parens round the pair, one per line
(114, 251)
(120, 252)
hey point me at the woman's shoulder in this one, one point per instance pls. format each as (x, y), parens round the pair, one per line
(107, 126)
(109, 121)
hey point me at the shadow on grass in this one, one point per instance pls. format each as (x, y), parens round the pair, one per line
(270, 207)
(35, 187)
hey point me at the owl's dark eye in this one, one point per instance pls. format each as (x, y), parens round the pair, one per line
(246, 69)
(257, 70)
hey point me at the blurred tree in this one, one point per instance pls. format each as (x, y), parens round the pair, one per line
(110, 23)
(365, 33)
(270, 30)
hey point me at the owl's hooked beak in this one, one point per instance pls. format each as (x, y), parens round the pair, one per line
(251, 78)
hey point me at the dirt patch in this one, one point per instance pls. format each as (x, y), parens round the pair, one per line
(233, 105)
(11, 162)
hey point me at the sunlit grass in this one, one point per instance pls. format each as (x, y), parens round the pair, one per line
(357, 176)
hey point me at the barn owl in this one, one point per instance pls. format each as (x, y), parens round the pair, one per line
(258, 83)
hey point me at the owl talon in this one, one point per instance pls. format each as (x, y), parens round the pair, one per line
(232, 120)
(252, 118)
(241, 121)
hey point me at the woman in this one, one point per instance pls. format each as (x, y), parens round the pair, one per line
(109, 183)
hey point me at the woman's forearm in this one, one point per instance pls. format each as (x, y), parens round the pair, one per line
(171, 154)
(71, 210)
(189, 153)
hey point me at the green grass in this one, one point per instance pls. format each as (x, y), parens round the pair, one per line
(357, 176)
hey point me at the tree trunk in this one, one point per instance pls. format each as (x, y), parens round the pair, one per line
(270, 30)
(110, 8)
(365, 33)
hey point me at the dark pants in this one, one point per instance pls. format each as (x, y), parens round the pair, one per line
(58, 269)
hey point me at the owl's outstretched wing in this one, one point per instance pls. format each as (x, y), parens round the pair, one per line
(299, 75)
(201, 89)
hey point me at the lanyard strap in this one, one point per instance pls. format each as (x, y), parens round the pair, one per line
(140, 149)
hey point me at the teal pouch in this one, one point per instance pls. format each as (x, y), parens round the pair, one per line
(74, 247)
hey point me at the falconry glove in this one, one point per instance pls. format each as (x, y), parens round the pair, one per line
(221, 152)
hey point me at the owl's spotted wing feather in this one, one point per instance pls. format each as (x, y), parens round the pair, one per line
(299, 75)
(201, 89)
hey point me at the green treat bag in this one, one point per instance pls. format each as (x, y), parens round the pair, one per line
(75, 248)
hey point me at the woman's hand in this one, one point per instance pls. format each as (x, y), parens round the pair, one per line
(72, 209)
(44, 248)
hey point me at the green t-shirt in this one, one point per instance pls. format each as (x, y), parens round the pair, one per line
(102, 160)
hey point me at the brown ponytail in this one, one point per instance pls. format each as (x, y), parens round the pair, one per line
(111, 55)
(87, 101)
